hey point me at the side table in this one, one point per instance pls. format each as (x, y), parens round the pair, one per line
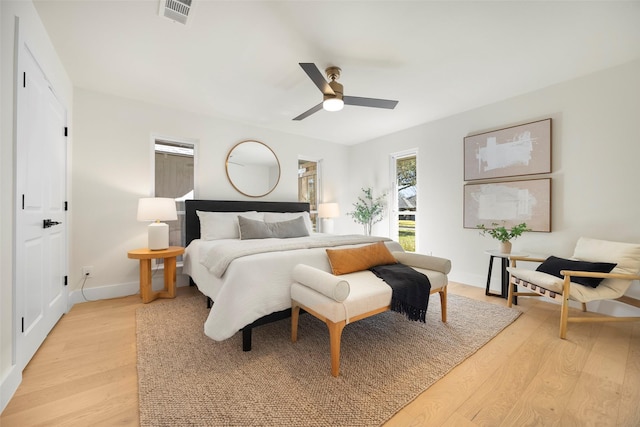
(504, 274)
(145, 255)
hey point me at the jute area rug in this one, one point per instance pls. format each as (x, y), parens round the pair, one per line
(187, 379)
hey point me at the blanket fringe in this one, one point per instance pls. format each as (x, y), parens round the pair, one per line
(412, 313)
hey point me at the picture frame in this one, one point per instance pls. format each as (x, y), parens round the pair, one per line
(509, 203)
(513, 151)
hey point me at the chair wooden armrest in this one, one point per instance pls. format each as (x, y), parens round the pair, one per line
(513, 259)
(601, 275)
(526, 258)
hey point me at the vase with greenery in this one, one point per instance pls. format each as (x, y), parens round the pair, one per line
(502, 234)
(368, 210)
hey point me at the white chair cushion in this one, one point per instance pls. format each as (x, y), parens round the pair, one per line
(625, 255)
(538, 278)
(577, 292)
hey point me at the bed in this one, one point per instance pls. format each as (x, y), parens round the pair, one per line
(253, 288)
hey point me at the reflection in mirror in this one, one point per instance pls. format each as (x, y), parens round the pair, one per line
(253, 168)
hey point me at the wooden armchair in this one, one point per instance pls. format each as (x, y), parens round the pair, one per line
(583, 278)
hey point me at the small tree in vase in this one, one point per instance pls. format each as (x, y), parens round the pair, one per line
(368, 210)
(503, 235)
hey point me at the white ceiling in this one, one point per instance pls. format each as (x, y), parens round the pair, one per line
(239, 59)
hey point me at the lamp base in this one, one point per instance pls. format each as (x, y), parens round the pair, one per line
(327, 225)
(158, 236)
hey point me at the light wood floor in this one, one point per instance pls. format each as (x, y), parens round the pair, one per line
(85, 373)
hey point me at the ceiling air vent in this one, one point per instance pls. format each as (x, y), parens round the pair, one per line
(176, 10)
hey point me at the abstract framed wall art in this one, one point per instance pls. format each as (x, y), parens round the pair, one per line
(513, 151)
(509, 203)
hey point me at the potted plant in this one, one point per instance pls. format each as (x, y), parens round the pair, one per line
(368, 210)
(502, 234)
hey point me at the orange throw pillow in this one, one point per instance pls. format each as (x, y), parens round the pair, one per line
(345, 261)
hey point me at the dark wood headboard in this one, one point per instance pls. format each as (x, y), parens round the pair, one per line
(193, 222)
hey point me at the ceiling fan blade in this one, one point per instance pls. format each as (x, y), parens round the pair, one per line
(370, 102)
(309, 112)
(316, 77)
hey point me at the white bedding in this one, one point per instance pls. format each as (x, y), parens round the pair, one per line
(218, 256)
(254, 285)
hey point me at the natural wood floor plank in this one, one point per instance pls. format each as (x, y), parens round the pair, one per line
(456, 420)
(629, 410)
(497, 395)
(544, 401)
(435, 406)
(597, 393)
(608, 358)
(85, 373)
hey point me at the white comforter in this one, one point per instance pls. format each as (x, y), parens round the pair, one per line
(218, 257)
(254, 284)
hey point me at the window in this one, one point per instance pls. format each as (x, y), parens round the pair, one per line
(308, 187)
(405, 199)
(174, 178)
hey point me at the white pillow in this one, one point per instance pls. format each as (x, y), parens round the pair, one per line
(286, 216)
(223, 225)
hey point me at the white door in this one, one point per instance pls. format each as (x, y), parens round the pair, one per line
(41, 242)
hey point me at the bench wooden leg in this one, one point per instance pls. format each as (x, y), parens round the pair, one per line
(335, 333)
(295, 314)
(443, 303)
(335, 329)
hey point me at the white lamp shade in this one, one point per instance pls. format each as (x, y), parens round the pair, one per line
(333, 104)
(328, 210)
(157, 209)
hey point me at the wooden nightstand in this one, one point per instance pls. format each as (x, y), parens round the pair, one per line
(145, 255)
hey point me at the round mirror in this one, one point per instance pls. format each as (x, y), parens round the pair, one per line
(253, 168)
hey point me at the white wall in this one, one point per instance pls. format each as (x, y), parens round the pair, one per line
(112, 169)
(595, 163)
(32, 30)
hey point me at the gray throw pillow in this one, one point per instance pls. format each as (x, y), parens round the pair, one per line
(252, 229)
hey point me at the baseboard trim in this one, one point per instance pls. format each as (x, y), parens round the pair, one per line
(468, 279)
(103, 292)
(97, 293)
(9, 385)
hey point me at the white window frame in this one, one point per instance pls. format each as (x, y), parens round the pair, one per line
(174, 140)
(156, 138)
(319, 194)
(393, 209)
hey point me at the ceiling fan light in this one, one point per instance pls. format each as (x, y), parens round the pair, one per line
(333, 104)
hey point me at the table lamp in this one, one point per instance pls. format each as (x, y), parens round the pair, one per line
(157, 209)
(328, 211)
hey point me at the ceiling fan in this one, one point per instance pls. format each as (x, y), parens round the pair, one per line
(332, 92)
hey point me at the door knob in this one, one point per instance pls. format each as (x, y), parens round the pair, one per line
(49, 223)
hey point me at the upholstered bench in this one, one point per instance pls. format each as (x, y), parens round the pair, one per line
(343, 299)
